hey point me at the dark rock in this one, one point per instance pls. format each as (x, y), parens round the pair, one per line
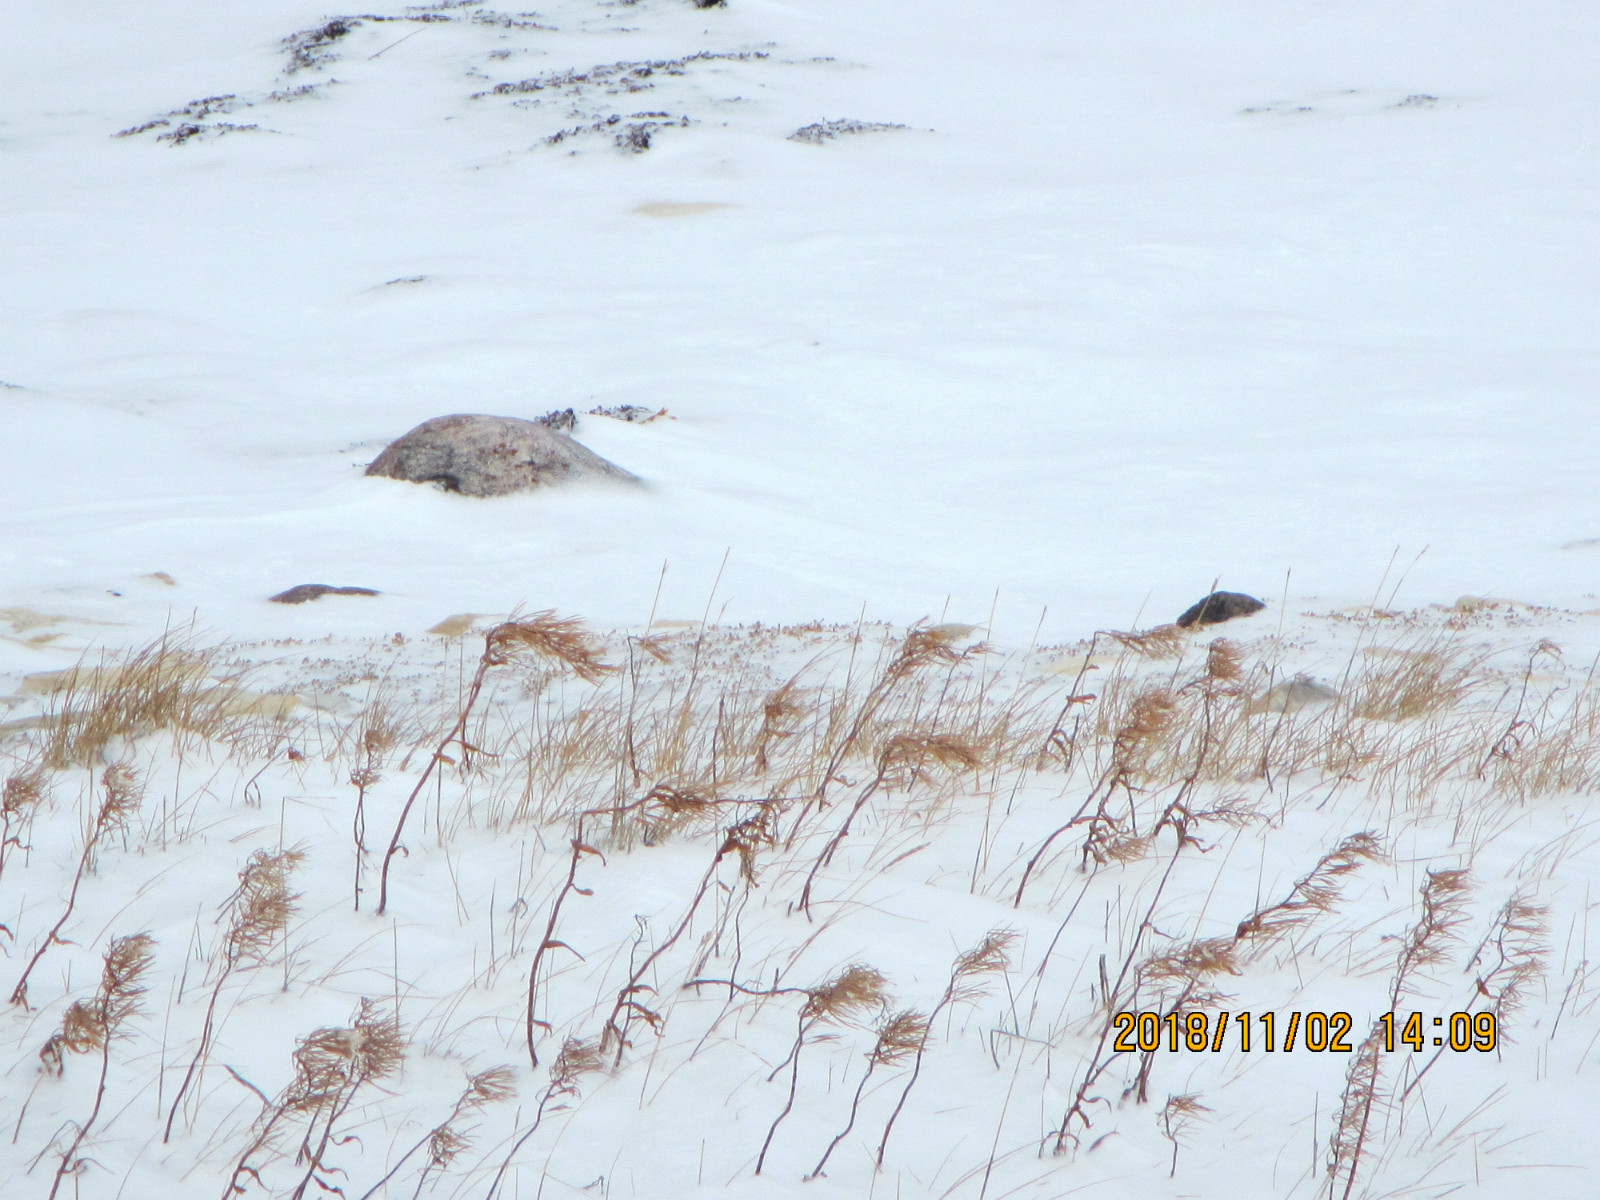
(314, 591)
(1217, 607)
(491, 456)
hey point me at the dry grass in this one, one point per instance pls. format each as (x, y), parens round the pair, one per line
(756, 795)
(170, 685)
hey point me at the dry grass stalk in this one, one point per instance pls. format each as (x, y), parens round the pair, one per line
(549, 942)
(1224, 668)
(853, 992)
(1550, 750)
(563, 641)
(445, 1141)
(1521, 943)
(1162, 641)
(900, 1036)
(923, 647)
(667, 810)
(1356, 1107)
(782, 708)
(1109, 839)
(1184, 977)
(1190, 968)
(95, 1025)
(331, 1065)
(970, 976)
(259, 913)
(743, 840)
(577, 1058)
(1177, 1114)
(19, 798)
(165, 685)
(1422, 681)
(904, 759)
(362, 778)
(122, 792)
(1444, 896)
(1314, 893)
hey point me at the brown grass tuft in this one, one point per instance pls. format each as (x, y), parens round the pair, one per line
(1163, 641)
(167, 685)
(563, 641)
(851, 993)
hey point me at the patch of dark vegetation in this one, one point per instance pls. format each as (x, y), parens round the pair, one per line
(312, 47)
(509, 21)
(565, 420)
(619, 77)
(189, 132)
(191, 116)
(562, 420)
(826, 131)
(285, 95)
(134, 130)
(635, 137)
(405, 279)
(637, 414)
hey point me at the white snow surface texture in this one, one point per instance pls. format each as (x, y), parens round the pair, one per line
(1145, 295)
(1073, 312)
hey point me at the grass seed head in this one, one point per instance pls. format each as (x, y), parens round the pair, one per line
(900, 1035)
(1149, 717)
(1224, 663)
(914, 753)
(854, 991)
(926, 646)
(22, 791)
(750, 837)
(329, 1060)
(563, 641)
(1193, 962)
(578, 1057)
(1164, 641)
(494, 1086)
(262, 905)
(124, 792)
(91, 1024)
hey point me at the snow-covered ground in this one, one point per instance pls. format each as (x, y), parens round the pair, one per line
(1081, 310)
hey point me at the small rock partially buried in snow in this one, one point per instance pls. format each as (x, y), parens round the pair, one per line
(480, 455)
(456, 626)
(301, 593)
(1217, 607)
(1292, 695)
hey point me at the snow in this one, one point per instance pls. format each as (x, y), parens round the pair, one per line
(1295, 299)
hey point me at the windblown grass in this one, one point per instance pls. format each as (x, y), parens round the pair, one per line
(737, 862)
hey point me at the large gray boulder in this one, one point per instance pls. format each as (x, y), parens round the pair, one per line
(491, 456)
